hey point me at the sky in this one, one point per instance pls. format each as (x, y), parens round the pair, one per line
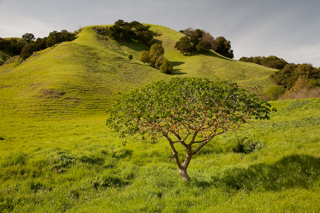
(288, 29)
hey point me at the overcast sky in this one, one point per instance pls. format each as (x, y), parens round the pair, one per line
(289, 29)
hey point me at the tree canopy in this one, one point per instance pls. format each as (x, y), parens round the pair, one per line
(186, 111)
(195, 41)
(200, 41)
(224, 47)
(270, 61)
(290, 73)
(134, 30)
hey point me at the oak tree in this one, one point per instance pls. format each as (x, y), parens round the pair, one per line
(188, 112)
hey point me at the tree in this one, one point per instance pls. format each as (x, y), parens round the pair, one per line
(195, 36)
(184, 45)
(144, 56)
(26, 52)
(156, 51)
(58, 37)
(166, 66)
(134, 30)
(28, 37)
(186, 111)
(203, 46)
(224, 47)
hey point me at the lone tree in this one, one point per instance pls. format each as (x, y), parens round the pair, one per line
(187, 112)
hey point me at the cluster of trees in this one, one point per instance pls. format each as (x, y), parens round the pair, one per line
(194, 41)
(54, 38)
(200, 41)
(134, 30)
(270, 61)
(155, 57)
(27, 45)
(290, 73)
(12, 46)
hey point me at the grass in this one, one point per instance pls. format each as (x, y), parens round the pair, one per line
(57, 155)
(79, 165)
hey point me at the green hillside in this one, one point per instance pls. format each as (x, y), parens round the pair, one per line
(90, 72)
(57, 155)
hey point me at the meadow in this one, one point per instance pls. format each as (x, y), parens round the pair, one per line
(78, 165)
(57, 155)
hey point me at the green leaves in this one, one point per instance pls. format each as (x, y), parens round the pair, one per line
(182, 106)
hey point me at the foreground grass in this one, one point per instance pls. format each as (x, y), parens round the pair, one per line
(78, 165)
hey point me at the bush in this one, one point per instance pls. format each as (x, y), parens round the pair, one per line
(166, 67)
(246, 146)
(155, 57)
(274, 92)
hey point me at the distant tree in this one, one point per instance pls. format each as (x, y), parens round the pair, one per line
(184, 45)
(196, 36)
(156, 50)
(155, 57)
(12, 46)
(53, 38)
(134, 30)
(144, 56)
(26, 51)
(209, 38)
(130, 57)
(196, 40)
(224, 47)
(292, 72)
(40, 44)
(203, 46)
(166, 66)
(28, 37)
(59, 37)
(188, 112)
(270, 61)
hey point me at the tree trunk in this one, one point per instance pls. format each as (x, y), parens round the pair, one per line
(184, 174)
(183, 168)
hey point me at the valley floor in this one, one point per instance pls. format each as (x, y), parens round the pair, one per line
(78, 165)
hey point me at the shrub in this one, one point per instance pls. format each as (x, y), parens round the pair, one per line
(274, 92)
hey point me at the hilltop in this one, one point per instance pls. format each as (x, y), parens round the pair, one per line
(84, 76)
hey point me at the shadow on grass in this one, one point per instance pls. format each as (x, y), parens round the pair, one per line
(134, 45)
(176, 63)
(293, 171)
(212, 54)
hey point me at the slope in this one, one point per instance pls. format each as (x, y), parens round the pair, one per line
(84, 76)
(71, 78)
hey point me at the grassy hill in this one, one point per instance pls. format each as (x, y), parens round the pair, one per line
(88, 73)
(57, 155)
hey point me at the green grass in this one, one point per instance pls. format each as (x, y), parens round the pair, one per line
(79, 165)
(56, 154)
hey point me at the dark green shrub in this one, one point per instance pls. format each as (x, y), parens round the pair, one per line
(246, 146)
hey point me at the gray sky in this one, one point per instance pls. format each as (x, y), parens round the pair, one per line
(289, 29)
